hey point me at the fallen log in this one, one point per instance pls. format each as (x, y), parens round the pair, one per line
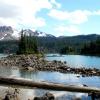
(25, 83)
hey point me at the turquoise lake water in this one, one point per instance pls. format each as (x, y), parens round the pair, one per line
(76, 60)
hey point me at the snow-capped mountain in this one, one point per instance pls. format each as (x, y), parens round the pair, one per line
(8, 33)
(36, 33)
(5, 31)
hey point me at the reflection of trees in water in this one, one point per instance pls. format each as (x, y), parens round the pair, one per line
(28, 74)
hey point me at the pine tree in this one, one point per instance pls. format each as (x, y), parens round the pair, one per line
(27, 44)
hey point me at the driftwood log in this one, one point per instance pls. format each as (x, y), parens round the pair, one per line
(25, 83)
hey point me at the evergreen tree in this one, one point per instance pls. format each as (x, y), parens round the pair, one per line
(27, 44)
(92, 48)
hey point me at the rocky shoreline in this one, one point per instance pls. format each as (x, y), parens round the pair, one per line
(37, 63)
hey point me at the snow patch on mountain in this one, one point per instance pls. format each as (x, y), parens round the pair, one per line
(15, 34)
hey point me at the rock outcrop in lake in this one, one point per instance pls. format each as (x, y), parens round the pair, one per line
(36, 63)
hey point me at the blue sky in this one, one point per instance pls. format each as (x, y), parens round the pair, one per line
(57, 17)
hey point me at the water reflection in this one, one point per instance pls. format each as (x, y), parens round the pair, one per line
(28, 74)
(5, 71)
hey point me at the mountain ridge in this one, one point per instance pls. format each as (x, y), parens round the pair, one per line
(8, 33)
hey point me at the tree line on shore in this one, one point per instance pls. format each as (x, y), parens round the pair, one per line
(92, 48)
(30, 44)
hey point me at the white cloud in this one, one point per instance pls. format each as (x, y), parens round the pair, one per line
(24, 12)
(67, 30)
(96, 12)
(6, 10)
(78, 16)
(8, 22)
(60, 15)
(74, 17)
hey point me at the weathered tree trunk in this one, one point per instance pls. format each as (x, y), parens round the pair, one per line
(44, 85)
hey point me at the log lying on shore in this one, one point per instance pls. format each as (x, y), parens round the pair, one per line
(25, 83)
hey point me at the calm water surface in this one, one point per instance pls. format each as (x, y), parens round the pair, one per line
(56, 77)
(76, 60)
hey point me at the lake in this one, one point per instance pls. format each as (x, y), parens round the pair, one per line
(76, 60)
(56, 77)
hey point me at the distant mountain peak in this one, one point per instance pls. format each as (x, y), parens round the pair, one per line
(8, 33)
(36, 33)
